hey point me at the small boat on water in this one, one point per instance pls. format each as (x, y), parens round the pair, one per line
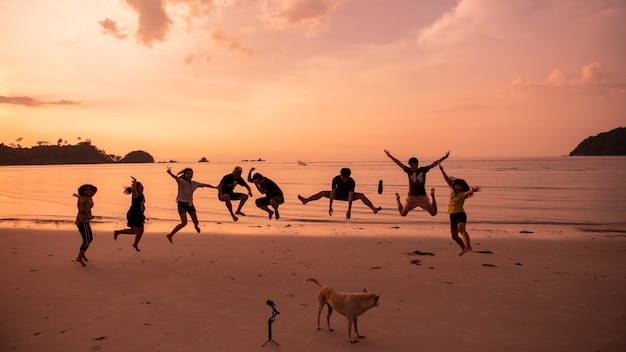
(301, 163)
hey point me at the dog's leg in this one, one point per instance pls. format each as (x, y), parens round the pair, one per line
(320, 307)
(330, 312)
(356, 329)
(350, 330)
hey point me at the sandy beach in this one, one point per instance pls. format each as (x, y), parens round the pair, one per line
(208, 292)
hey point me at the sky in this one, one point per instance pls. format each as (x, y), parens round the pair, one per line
(312, 80)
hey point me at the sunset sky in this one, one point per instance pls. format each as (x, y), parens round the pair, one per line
(313, 79)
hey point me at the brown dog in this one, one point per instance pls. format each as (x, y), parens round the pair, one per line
(349, 304)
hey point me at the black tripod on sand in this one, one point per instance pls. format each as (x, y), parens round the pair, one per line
(269, 323)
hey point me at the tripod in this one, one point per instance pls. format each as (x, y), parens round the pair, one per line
(269, 323)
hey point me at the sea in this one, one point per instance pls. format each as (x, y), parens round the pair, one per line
(581, 192)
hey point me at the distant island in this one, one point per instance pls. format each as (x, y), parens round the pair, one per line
(81, 153)
(606, 143)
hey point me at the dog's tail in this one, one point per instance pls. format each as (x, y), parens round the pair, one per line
(314, 281)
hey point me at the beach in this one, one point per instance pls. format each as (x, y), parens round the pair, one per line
(541, 288)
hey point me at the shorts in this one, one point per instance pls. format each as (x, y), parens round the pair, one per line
(184, 207)
(266, 200)
(342, 196)
(423, 202)
(233, 196)
(456, 219)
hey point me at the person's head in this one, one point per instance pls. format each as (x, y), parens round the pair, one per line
(186, 173)
(345, 174)
(460, 185)
(87, 190)
(237, 171)
(257, 177)
(414, 163)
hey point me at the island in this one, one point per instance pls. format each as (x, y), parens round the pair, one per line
(607, 143)
(82, 153)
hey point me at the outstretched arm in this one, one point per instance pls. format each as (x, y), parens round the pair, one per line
(440, 160)
(394, 159)
(250, 174)
(445, 176)
(472, 191)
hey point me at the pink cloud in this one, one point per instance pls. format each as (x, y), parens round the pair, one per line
(230, 43)
(110, 27)
(32, 102)
(591, 74)
(154, 23)
(312, 13)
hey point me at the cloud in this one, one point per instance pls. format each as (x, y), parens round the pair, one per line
(289, 13)
(154, 22)
(110, 27)
(32, 102)
(231, 43)
(592, 74)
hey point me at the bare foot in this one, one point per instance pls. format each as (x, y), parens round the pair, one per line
(271, 213)
(238, 212)
(234, 217)
(302, 199)
(197, 228)
(465, 250)
(136, 248)
(85, 258)
(115, 234)
(277, 215)
(169, 238)
(377, 210)
(80, 260)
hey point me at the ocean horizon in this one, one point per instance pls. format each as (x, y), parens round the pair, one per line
(572, 191)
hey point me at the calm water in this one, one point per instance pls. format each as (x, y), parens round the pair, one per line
(579, 191)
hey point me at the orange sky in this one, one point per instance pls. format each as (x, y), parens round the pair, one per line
(313, 79)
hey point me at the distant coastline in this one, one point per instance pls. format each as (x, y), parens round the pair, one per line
(81, 153)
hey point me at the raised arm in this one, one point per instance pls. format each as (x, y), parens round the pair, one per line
(435, 163)
(250, 175)
(169, 172)
(445, 176)
(133, 188)
(394, 159)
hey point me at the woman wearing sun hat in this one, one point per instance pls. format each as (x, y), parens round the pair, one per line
(84, 205)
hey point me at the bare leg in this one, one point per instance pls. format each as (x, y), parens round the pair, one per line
(183, 223)
(457, 239)
(400, 207)
(194, 218)
(242, 201)
(138, 238)
(81, 255)
(434, 202)
(275, 206)
(316, 196)
(466, 239)
(264, 207)
(229, 206)
(367, 202)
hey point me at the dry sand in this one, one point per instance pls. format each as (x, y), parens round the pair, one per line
(208, 292)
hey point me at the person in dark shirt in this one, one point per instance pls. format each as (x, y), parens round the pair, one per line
(417, 180)
(273, 194)
(342, 188)
(226, 191)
